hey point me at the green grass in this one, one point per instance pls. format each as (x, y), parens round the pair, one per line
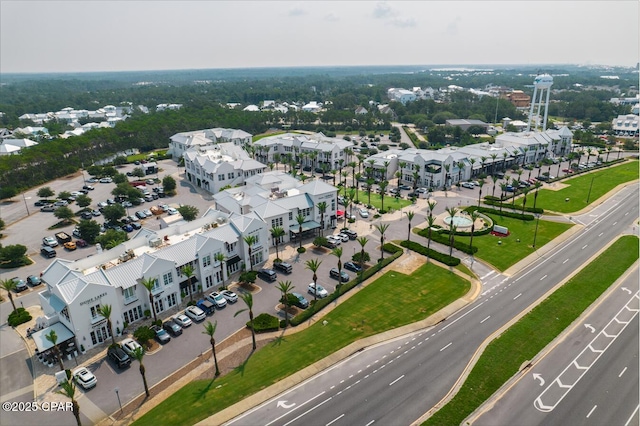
(510, 252)
(145, 155)
(578, 190)
(376, 200)
(366, 313)
(520, 343)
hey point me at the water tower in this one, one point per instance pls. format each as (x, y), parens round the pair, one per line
(541, 83)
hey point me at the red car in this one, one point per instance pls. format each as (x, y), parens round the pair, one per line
(567, 170)
(81, 243)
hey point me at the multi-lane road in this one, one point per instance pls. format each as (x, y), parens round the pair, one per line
(397, 382)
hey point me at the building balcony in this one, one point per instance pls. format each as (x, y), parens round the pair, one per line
(129, 300)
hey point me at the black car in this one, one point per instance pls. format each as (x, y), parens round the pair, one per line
(302, 302)
(172, 327)
(351, 234)
(47, 252)
(268, 275)
(341, 275)
(283, 267)
(135, 225)
(86, 215)
(352, 267)
(33, 280)
(119, 356)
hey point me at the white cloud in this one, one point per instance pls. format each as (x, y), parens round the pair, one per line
(452, 27)
(297, 11)
(383, 11)
(403, 22)
(331, 17)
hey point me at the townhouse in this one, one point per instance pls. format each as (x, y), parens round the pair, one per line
(182, 142)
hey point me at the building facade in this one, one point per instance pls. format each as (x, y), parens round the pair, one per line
(182, 142)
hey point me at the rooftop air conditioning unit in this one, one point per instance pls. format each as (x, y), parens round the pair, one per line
(221, 220)
(156, 242)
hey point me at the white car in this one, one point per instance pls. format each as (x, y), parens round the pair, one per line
(195, 313)
(468, 185)
(363, 212)
(337, 241)
(229, 295)
(50, 241)
(171, 211)
(217, 299)
(318, 290)
(343, 237)
(129, 346)
(106, 180)
(183, 320)
(84, 378)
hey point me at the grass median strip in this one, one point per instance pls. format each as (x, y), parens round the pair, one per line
(366, 313)
(504, 356)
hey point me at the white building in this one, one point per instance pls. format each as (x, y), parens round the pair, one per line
(13, 146)
(401, 95)
(625, 125)
(181, 142)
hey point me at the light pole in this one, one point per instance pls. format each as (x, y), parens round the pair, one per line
(536, 233)
(117, 390)
(590, 186)
(25, 203)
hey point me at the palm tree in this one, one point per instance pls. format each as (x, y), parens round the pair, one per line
(220, 257)
(410, 216)
(535, 195)
(9, 285)
(483, 160)
(430, 222)
(247, 298)
(105, 311)
(322, 209)
(460, 165)
(149, 283)
(447, 167)
(53, 338)
(493, 162)
(250, 240)
(210, 330)
(481, 182)
(337, 252)
(300, 220)
(382, 228)
(285, 287)
(69, 390)
(432, 205)
(138, 354)
(504, 161)
(503, 188)
(277, 232)
(474, 216)
(363, 242)
(188, 271)
(452, 232)
(351, 196)
(370, 183)
(472, 161)
(313, 265)
(347, 203)
(383, 188)
(495, 181)
(524, 201)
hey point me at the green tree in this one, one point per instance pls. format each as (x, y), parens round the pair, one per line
(337, 252)
(277, 233)
(210, 330)
(138, 354)
(10, 286)
(69, 390)
(83, 201)
(64, 195)
(188, 271)
(410, 216)
(363, 242)
(474, 216)
(53, 338)
(382, 228)
(105, 311)
(143, 335)
(247, 298)
(13, 254)
(250, 241)
(188, 213)
(114, 212)
(149, 283)
(169, 185)
(285, 288)
(63, 213)
(89, 230)
(138, 172)
(111, 238)
(7, 192)
(383, 189)
(300, 220)
(322, 209)
(45, 192)
(313, 265)
(220, 257)
(430, 223)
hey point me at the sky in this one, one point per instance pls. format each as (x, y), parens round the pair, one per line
(81, 36)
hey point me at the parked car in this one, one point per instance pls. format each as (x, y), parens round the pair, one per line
(161, 335)
(33, 280)
(92, 180)
(76, 233)
(106, 180)
(48, 252)
(63, 237)
(86, 215)
(171, 211)
(206, 306)
(268, 275)
(468, 185)
(183, 320)
(128, 228)
(84, 378)
(335, 239)
(330, 243)
(129, 346)
(343, 237)
(283, 267)
(81, 243)
(132, 219)
(88, 187)
(230, 296)
(302, 302)
(405, 187)
(70, 245)
(50, 242)
(96, 212)
(135, 225)
(195, 313)
(351, 266)
(148, 213)
(150, 182)
(319, 290)
(119, 356)
(351, 234)
(49, 208)
(341, 275)
(172, 327)
(217, 299)
(140, 214)
(20, 284)
(364, 213)
(61, 203)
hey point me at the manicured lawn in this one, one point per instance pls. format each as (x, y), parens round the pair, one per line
(578, 190)
(520, 343)
(145, 155)
(510, 251)
(376, 200)
(368, 312)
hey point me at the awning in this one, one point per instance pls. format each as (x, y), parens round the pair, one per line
(235, 259)
(184, 284)
(42, 343)
(306, 226)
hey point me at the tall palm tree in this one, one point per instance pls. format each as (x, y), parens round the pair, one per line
(432, 205)
(383, 188)
(460, 165)
(149, 283)
(210, 330)
(9, 285)
(474, 216)
(313, 265)
(524, 200)
(493, 162)
(495, 181)
(481, 182)
(503, 188)
(220, 257)
(370, 183)
(300, 220)
(69, 390)
(138, 354)
(247, 298)
(504, 161)
(472, 161)
(410, 216)
(337, 252)
(351, 196)
(188, 271)
(278, 232)
(382, 228)
(285, 288)
(452, 232)
(322, 209)
(483, 160)
(250, 240)
(535, 194)
(447, 167)
(430, 222)
(363, 242)
(53, 338)
(105, 311)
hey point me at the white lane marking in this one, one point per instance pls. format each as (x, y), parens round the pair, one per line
(485, 319)
(615, 223)
(342, 381)
(632, 416)
(592, 410)
(332, 387)
(450, 343)
(291, 411)
(626, 213)
(543, 278)
(370, 423)
(489, 274)
(504, 281)
(622, 372)
(461, 316)
(584, 246)
(419, 343)
(359, 371)
(565, 261)
(600, 234)
(335, 420)
(396, 380)
(519, 294)
(366, 377)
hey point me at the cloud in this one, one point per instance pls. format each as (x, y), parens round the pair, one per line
(297, 11)
(383, 11)
(452, 27)
(403, 22)
(331, 17)
(391, 16)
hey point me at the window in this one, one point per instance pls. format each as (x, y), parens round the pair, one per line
(218, 276)
(231, 247)
(159, 304)
(130, 294)
(208, 281)
(230, 175)
(94, 311)
(290, 216)
(220, 177)
(65, 313)
(167, 278)
(171, 300)
(133, 314)
(206, 261)
(276, 222)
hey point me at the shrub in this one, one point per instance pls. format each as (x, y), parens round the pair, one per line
(356, 257)
(519, 216)
(19, 316)
(442, 237)
(143, 334)
(435, 255)
(264, 323)
(391, 248)
(301, 250)
(248, 277)
(497, 203)
(320, 241)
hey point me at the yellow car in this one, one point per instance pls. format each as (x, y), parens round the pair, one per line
(70, 245)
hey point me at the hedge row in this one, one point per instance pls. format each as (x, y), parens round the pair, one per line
(264, 323)
(431, 253)
(342, 289)
(504, 213)
(497, 203)
(19, 316)
(442, 237)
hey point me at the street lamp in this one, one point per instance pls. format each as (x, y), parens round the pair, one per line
(117, 390)
(536, 233)
(590, 186)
